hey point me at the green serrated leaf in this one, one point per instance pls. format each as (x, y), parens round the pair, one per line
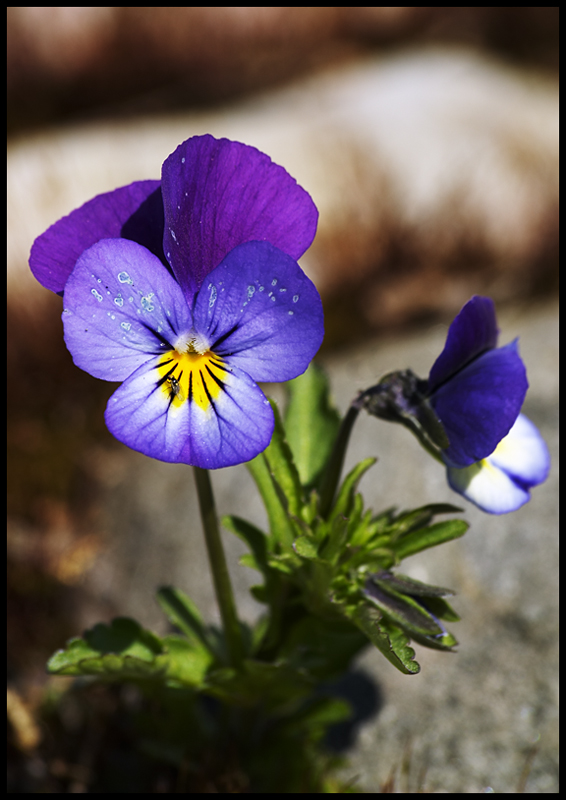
(124, 650)
(389, 639)
(283, 564)
(306, 547)
(121, 648)
(186, 665)
(249, 560)
(431, 536)
(311, 423)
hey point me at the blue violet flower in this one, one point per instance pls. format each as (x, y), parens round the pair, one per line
(495, 454)
(467, 413)
(188, 291)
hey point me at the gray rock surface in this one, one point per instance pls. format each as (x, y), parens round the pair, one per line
(483, 719)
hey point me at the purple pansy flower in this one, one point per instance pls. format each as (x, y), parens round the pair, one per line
(495, 455)
(187, 290)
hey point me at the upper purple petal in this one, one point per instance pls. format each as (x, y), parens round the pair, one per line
(480, 403)
(472, 332)
(131, 212)
(259, 310)
(218, 194)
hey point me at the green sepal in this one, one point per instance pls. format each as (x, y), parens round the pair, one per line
(402, 584)
(311, 423)
(421, 539)
(411, 615)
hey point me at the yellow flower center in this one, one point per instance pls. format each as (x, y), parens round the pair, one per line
(193, 376)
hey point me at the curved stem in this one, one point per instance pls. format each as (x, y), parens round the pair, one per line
(219, 567)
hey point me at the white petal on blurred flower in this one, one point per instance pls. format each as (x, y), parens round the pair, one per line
(523, 453)
(500, 483)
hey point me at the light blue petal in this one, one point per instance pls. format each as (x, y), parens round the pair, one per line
(259, 309)
(523, 453)
(488, 487)
(235, 427)
(121, 306)
(500, 483)
(140, 415)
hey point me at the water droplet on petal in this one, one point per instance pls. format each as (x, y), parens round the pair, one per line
(291, 313)
(274, 282)
(212, 298)
(295, 298)
(146, 303)
(123, 277)
(97, 295)
(119, 301)
(250, 292)
(126, 325)
(261, 288)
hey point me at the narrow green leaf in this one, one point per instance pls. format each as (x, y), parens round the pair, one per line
(402, 584)
(311, 423)
(345, 499)
(429, 537)
(281, 528)
(182, 612)
(252, 536)
(419, 517)
(335, 544)
(280, 460)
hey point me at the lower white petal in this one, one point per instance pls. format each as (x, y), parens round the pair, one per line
(488, 486)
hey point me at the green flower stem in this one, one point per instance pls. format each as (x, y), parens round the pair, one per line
(219, 567)
(331, 477)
